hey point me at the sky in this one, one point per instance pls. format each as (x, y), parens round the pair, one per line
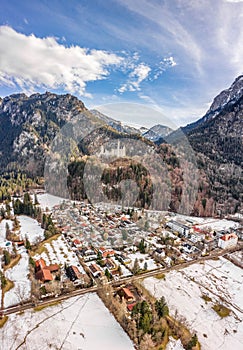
(173, 56)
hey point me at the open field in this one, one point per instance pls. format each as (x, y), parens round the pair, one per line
(193, 292)
(18, 274)
(78, 323)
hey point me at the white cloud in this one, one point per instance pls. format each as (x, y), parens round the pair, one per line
(167, 62)
(30, 62)
(169, 28)
(233, 1)
(136, 77)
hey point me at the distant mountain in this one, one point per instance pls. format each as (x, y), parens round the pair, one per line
(157, 133)
(115, 124)
(143, 130)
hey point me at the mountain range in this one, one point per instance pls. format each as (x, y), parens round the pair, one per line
(29, 124)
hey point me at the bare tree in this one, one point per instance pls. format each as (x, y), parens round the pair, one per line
(20, 292)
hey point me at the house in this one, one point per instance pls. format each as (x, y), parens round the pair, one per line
(52, 268)
(73, 273)
(131, 306)
(126, 260)
(106, 252)
(228, 241)
(40, 264)
(196, 238)
(110, 264)
(115, 272)
(127, 294)
(158, 253)
(20, 243)
(95, 270)
(43, 273)
(77, 243)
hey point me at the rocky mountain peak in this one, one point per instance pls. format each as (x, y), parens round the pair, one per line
(225, 98)
(20, 108)
(29, 123)
(230, 95)
(157, 132)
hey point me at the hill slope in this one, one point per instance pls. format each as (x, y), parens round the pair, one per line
(27, 126)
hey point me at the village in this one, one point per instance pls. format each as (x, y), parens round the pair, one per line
(51, 247)
(94, 244)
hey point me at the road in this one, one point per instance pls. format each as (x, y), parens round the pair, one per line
(77, 292)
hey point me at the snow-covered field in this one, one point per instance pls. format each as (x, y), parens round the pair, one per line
(77, 323)
(19, 275)
(142, 258)
(222, 282)
(237, 257)
(47, 200)
(31, 229)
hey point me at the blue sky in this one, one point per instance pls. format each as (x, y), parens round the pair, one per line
(172, 55)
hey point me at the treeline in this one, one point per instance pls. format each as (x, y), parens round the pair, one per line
(15, 184)
(27, 207)
(111, 177)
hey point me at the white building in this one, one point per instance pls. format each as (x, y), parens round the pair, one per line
(119, 151)
(178, 227)
(228, 241)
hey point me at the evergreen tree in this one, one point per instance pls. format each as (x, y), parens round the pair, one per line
(161, 307)
(142, 246)
(7, 257)
(108, 274)
(8, 231)
(136, 267)
(27, 244)
(36, 202)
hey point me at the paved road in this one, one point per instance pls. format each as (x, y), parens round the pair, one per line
(122, 281)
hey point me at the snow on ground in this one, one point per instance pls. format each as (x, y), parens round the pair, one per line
(222, 282)
(174, 344)
(218, 225)
(58, 252)
(78, 323)
(47, 200)
(30, 228)
(19, 275)
(142, 258)
(204, 223)
(125, 272)
(237, 257)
